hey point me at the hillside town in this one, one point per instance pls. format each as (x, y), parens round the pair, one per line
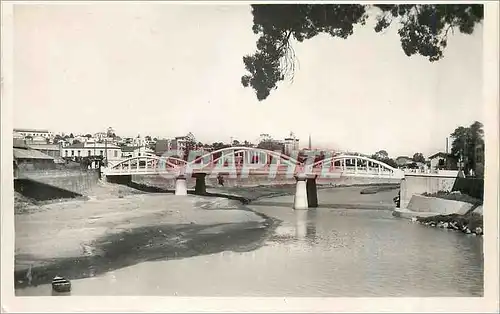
(43, 149)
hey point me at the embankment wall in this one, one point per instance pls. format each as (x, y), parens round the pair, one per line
(73, 180)
(419, 203)
(417, 184)
(41, 191)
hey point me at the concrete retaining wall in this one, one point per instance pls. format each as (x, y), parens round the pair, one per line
(417, 184)
(77, 181)
(420, 203)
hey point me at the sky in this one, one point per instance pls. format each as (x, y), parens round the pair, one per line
(164, 70)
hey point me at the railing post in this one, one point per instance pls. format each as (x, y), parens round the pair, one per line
(355, 165)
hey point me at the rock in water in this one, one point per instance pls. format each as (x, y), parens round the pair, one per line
(61, 284)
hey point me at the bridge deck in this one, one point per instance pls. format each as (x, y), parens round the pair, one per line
(242, 171)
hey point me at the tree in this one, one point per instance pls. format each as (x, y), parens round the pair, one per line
(190, 144)
(271, 145)
(465, 142)
(76, 142)
(381, 154)
(418, 157)
(236, 143)
(110, 132)
(71, 135)
(423, 30)
(88, 135)
(148, 138)
(219, 145)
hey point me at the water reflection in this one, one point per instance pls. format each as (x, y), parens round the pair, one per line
(301, 224)
(305, 225)
(314, 253)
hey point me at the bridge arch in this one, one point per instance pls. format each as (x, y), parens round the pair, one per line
(149, 161)
(355, 164)
(287, 160)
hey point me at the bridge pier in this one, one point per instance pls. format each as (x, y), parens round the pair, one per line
(312, 192)
(300, 199)
(180, 185)
(200, 188)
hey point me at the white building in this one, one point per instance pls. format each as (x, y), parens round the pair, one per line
(135, 151)
(179, 143)
(110, 152)
(34, 133)
(291, 144)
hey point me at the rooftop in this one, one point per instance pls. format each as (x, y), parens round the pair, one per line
(44, 146)
(127, 149)
(31, 130)
(20, 153)
(92, 146)
(440, 154)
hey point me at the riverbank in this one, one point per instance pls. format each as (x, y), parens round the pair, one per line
(117, 226)
(79, 239)
(470, 223)
(446, 210)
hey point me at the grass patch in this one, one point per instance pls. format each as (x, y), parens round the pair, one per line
(455, 196)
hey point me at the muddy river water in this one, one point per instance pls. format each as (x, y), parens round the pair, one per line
(329, 251)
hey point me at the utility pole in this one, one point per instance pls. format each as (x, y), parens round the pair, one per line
(106, 151)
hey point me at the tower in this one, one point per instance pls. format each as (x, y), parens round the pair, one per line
(310, 146)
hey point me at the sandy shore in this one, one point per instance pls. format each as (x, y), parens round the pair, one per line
(116, 226)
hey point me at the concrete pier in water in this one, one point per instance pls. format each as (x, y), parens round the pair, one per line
(180, 185)
(300, 199)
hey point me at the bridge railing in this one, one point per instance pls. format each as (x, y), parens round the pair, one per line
(346, 165)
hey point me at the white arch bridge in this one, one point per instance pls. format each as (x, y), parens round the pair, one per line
(248, 161)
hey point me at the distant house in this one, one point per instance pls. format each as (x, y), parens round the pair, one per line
(110, 152)
(37, 140)
(162, 146)
(179, 143)
(52, 150)
(443, 161)
(290, 144)
(30, 159)
(135, 151)
(34, 133)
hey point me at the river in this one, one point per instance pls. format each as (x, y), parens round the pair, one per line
(330, 251)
